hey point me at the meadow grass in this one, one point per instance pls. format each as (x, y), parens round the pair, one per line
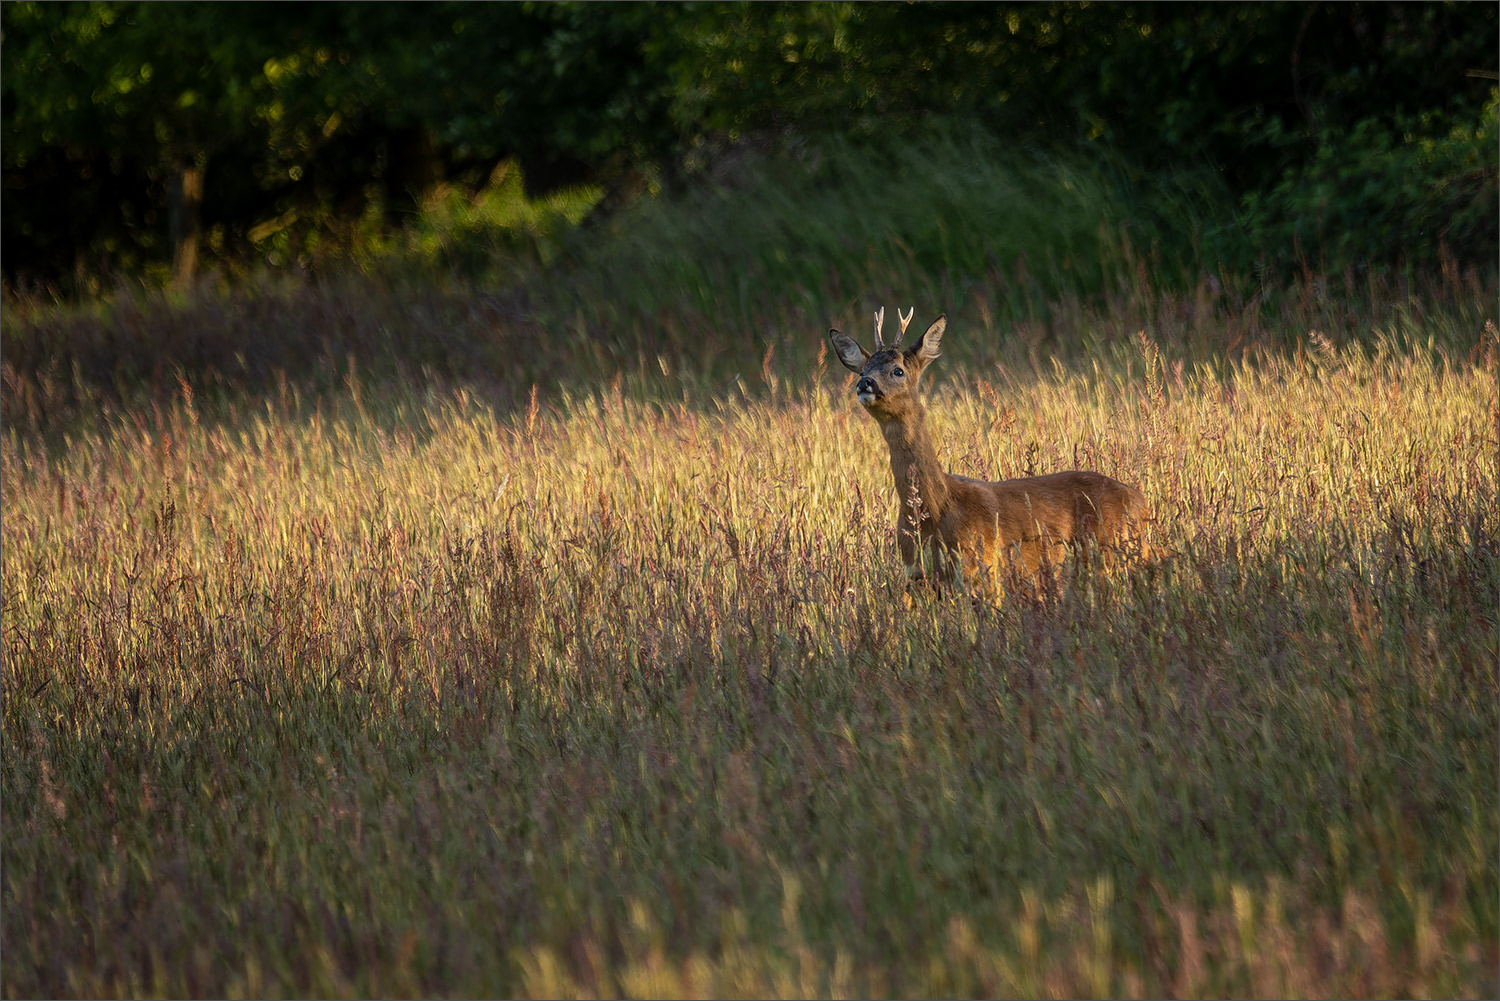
(1055, 255)
(385, 636)
(429, 684)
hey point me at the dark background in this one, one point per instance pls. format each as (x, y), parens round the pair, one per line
(178, 136)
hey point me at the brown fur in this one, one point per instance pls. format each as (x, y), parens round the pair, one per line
(972, 526)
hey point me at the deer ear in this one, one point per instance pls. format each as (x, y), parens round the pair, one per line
(850, 353)
(927, 345)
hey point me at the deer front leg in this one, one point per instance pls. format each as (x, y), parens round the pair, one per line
(912, 556)
(917, 562)
(931, 565)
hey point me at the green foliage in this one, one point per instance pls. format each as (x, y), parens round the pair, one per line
(487, 235)
(103, 103)
(144, 81)
(1356, 135)
(1166, 84)
(319, 137)
(1413, 191)
(307, 132)
(921, 216)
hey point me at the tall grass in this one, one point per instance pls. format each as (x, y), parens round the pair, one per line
(371, 638)
(622, 697)
(925, 217)
(684, 295)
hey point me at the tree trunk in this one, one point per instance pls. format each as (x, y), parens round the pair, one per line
(184, 218)
(415, 168)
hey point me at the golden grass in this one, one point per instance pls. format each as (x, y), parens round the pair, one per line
(619, 697)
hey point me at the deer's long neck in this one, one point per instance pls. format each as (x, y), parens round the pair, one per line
(914, 459)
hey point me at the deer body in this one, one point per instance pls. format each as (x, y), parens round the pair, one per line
(953, 524)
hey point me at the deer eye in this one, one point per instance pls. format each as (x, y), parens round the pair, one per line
(897, 372)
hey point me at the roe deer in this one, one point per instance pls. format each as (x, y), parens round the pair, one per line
(955, 525)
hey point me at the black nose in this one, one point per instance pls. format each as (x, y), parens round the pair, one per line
(865, 386)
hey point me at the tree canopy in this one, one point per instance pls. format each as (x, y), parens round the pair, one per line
(134, 131)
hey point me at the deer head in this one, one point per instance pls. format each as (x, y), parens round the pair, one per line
(888, 377)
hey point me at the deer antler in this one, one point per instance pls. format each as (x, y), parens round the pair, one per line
(905, 322)
(879, 322)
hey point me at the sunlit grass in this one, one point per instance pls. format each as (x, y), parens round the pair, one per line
(392, 688)
(398, 637)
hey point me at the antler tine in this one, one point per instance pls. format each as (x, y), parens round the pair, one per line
(879, 322)
(905, 322)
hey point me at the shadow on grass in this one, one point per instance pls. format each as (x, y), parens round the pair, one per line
(72, 370)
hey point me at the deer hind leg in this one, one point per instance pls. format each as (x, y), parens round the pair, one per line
(1095, 527)
(978, 567)
(1130, 542)
(1119, 533)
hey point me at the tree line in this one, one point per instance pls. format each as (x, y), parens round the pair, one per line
(141, 136)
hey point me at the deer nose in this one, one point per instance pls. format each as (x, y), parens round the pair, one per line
(866, 385)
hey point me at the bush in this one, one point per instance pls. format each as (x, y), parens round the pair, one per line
(1410, 192)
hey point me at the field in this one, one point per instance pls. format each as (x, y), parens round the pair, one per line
(389, 674)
